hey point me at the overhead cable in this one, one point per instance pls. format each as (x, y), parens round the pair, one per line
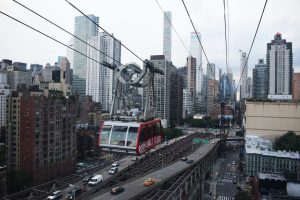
(103, 29)
(262, 13)
(68, 32)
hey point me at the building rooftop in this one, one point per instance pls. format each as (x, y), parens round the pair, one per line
(258, 145)
(256, 141)
(276, 177)
(292, 189)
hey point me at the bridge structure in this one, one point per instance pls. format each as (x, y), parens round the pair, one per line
(188, 184)
(235, 138)
(174, 177)
(178, 180)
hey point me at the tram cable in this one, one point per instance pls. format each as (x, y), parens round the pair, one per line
(76, 8)
(173, 27)
(262, 13)
(225, 31)
(67, 32)
(50, 37)
(198, 38)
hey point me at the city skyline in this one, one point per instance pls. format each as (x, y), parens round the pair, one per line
(133, 30)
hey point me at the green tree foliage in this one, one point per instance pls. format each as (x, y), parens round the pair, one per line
(240, 133)
(205, 123)
(171, 133)
(241, 195)
(289, 142)
(17, 180)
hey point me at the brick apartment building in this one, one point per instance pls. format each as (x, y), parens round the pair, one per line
(41, 138)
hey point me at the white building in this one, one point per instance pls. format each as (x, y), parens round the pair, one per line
(244, 75)
(100, 80)
(84, 29)
(196, 52)
(261, 159)
(167, 40)
(279, 66)
(4, 92)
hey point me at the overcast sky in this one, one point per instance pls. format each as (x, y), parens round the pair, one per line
(139, 25)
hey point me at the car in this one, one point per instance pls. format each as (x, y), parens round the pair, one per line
(73, 193)
(95, 180)
(189, 161)
(113, 170)
(184, 158)
(87, 178)
(117, 190)
(55, 195)
(134, 158)
(213, 142)
(116, 164)
(149, 182)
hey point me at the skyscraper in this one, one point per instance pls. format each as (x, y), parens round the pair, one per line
(249, 87)
(162, 84)
(196, 52)
(84, 29)
(212, 93)
(167, 40)
(260, 80)
(176, 102)
(225, 87)
(100, 80)
(191, 75)
(41, 138)
(244, 75)
(211, 71)
(4, 92)
(279, 66)
(182, 71)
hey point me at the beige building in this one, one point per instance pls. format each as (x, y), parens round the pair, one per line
(296, 87)
(271, 119)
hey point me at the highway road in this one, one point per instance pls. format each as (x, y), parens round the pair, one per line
(135, 187)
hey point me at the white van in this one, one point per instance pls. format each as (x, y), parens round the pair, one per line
(95, 180)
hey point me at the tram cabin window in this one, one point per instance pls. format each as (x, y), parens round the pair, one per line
(105, 132)
(118, 135)
(132, 135)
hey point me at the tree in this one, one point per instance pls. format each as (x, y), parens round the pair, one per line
(17, 180)
(171, 133)
(288, 142)
(240, 133)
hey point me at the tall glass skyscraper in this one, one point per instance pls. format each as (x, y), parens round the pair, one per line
(244, 75)
(260, 80)
(167, 40)
(196, 52)
(84, 29)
